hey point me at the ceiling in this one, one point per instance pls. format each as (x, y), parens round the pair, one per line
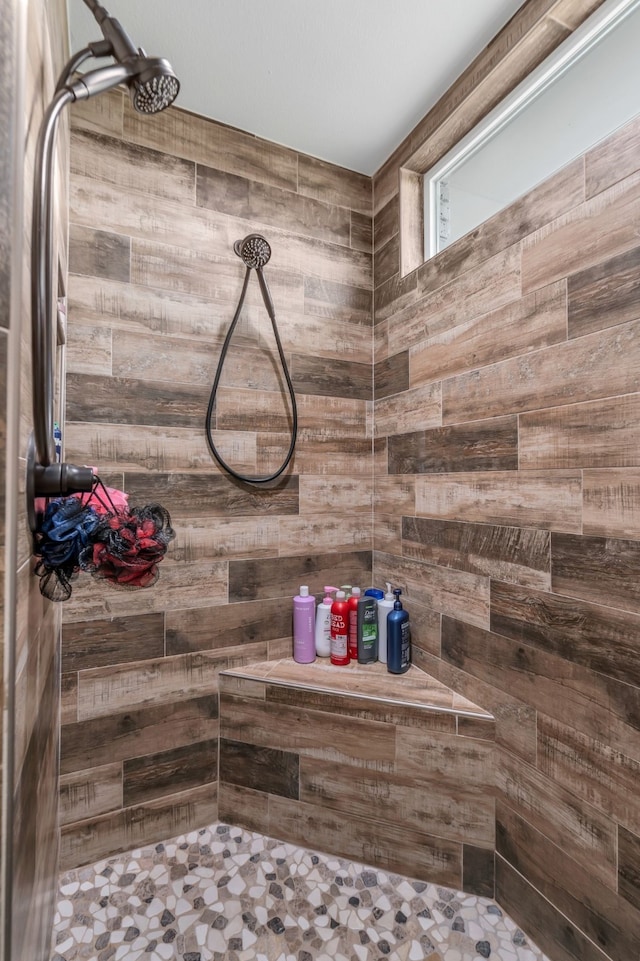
(343, 80)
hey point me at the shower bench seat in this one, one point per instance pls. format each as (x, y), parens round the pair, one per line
(395, 771)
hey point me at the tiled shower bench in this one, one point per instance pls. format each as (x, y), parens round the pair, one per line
(393, 771)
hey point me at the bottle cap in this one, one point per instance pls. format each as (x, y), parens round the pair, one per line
(374, 592)
(304, 591)
(327, 594)
(389, 595)
(356, 591)
(340, 595)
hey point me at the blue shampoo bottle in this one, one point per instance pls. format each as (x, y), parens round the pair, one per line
(398, 637)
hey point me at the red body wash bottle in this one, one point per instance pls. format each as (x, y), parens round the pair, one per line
(340, 630)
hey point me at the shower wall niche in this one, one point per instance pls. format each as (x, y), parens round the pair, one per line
(156, 205)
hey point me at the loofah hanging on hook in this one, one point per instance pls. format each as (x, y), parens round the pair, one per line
(99, 533)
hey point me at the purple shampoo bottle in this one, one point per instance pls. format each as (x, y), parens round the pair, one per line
(304, 623)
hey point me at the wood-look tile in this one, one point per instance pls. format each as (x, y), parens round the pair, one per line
(514, 554)
(485, 445)
(491, 285)
(425, 628)
(600, 569)
(335, 378)
(211, 537)
(536, 321)
(259, 768)
(129, 167)
(334, 185)
(387, 846)
(395, 494)
(612, 159)
(551, 929)
(318, 494)
(597, 230)
(386, 260)
(327, 337)
(551, 501)
(515, 721)
(360, 743)
(583, 833)
(151, 312)
(557, 195)
(89, 350)
(69, 698)
(230, 625)
(109, 690)
(102, 115)
(243, 807)
(395, 294)
(599, 638)
(320, 416)
(150, 449)
(181, 582)
(447, 591)
(98, 253)
(87, 841)
(87, 644)
(121, 400)
(478, 871)
(326, 299)
(628, 872)
(319, 532)
(251, 200)
(600, 433)
(325, 456)
(366, 708)
(467, 815)
(594, 772)
(605, 295)
(605, 709)
(117, 737)
(612, 503)
(391, 376)
(407, 411)
(478, 727)
(215, 145)
(450, 759)
(386, 223)
(361, 231)
(87, 794)
(192, 496)
(597, 365)
(254, 580)
(591, 905)
(167, 772)
(387, 533)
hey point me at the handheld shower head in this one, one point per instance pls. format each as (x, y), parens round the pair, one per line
(254, 250)
(152, 84)
(155, 87)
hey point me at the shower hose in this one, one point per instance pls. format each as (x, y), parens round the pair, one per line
(214, 390)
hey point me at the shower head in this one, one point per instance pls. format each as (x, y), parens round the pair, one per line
(253, 250)
(152, 84)
(155, 87)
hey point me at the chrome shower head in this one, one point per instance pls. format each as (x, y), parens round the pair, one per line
(254, 250)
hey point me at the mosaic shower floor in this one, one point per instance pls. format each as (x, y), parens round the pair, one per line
(223, 894)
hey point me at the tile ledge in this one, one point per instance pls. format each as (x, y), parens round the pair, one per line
(416, 688)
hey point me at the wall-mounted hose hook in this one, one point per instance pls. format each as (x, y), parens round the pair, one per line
(255, 252)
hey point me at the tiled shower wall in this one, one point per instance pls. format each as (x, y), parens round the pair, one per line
(33, 48)
(507, 505)
(156, 204)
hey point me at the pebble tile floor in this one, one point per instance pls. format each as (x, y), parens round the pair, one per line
(223, 894)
